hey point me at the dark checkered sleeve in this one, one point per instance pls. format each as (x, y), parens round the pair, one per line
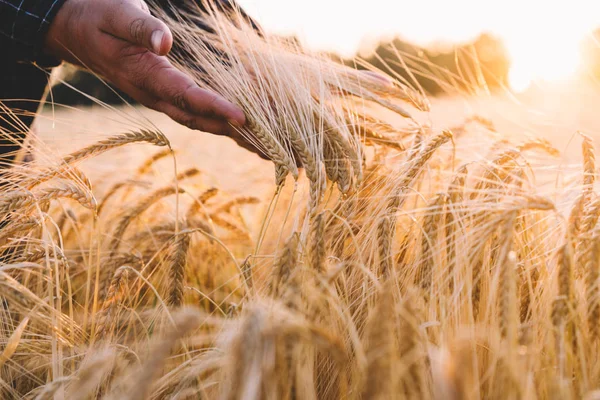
(23, 26)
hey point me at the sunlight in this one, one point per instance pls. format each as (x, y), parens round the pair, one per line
(542, 37)
(547, 58)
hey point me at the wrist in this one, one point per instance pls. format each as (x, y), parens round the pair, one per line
(62, 27)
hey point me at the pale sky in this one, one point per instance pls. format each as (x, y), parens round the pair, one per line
(528, 27)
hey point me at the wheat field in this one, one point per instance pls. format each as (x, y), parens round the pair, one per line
(423, 249)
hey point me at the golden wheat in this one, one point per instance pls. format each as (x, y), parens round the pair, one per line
(402, 278)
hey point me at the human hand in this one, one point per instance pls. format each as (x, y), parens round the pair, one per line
(122, 42)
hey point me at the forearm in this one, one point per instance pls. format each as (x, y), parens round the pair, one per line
(23, 27)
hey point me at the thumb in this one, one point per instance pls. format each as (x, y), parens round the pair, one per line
(137, 26)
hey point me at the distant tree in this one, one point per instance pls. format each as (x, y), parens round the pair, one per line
(467, 67)
(494, 59)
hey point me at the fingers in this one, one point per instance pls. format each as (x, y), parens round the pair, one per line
(174, 87)
(215, 126)
(144, 6)
(196, 122)
(209, 103)
(134, 24)
(156, 76)
(205, 124)
(192, 121)
(241, 141)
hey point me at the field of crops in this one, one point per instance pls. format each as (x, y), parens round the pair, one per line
(442, 249)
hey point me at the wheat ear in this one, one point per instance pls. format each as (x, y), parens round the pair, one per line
(132, 213)
(380, 346)
(455, 198)
(185, 321)
(317, 251)
(284, 164)
(285, 264)
(429, 239)
(177, 261)
(153, 137)
(385, 237)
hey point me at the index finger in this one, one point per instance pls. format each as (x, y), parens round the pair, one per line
(165, 82)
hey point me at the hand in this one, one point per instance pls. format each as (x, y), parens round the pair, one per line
(122, 42)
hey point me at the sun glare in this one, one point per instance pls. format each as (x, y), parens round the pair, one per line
(543, 59)
(542, 37)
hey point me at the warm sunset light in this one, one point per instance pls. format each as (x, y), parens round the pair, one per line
(554, 59)
(300, 199)
(542, 38)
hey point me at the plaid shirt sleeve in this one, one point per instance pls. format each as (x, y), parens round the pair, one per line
(23, 26)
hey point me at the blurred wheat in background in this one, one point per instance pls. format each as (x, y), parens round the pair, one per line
(384, 258)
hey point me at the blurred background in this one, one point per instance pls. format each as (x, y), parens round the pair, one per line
(465, 47)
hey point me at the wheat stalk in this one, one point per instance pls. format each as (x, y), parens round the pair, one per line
(134, 212)
(317, 249)
(430, 228)
(185, 321)
(152, 137)
(539, 144)
(284, 164)
(455, 198)
(177, 261)
(564, 301)
(507, 287)
(424, 156)
(113, 296)
(238, 201)
(17, 200)
(284, 265)
(385, 235)
(147, 165)
(380, 347)
(591, 263)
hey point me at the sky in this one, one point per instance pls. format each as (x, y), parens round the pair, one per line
(535, 32)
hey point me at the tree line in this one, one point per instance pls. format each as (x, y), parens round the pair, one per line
(480, 64)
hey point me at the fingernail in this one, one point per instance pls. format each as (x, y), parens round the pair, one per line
(156, 40)
(234, 122)
(239, 117)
